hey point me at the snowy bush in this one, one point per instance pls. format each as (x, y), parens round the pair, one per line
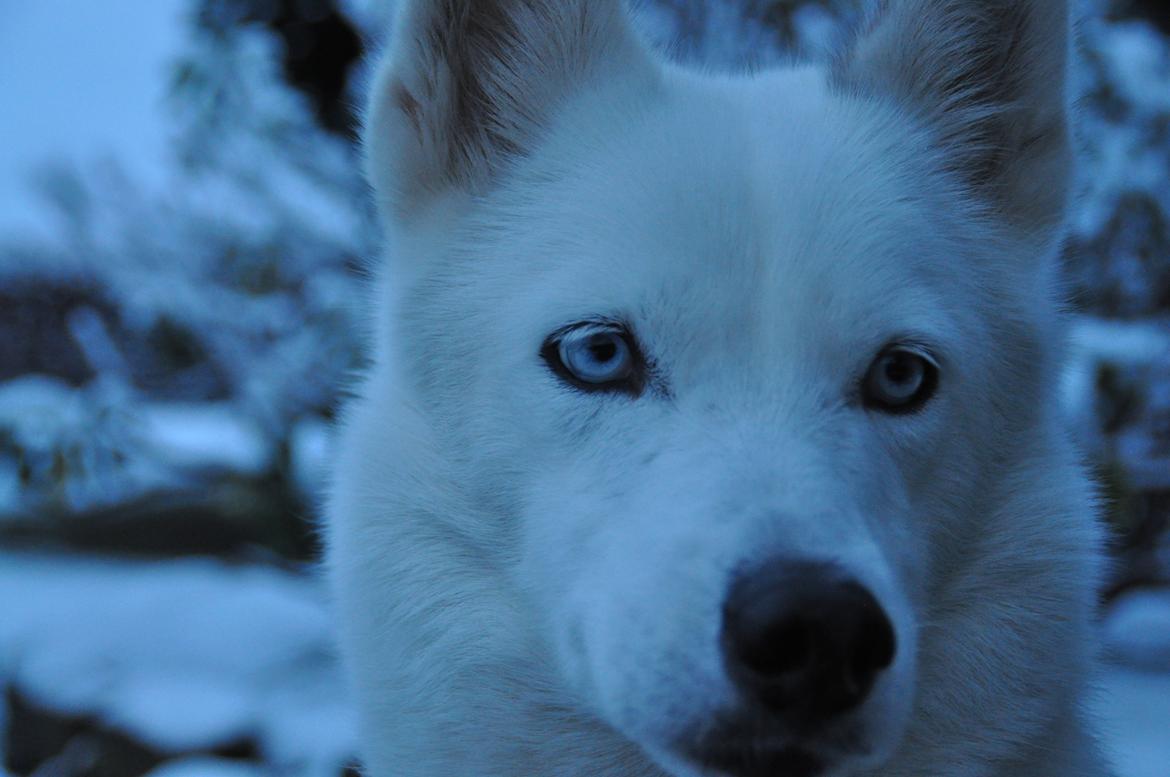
(231, 301)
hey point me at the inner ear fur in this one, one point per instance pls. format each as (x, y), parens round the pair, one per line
(466, 86)
(989, 79)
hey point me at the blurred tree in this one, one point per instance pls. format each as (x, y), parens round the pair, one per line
(320, 48)
(1156, 11)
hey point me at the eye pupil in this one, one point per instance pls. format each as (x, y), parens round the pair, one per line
(900, 369)
(603, 348)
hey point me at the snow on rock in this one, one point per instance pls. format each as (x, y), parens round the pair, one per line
(51, 428)
(1140, 342)
(205, 767)
(183, 656)
(205, 436)
(309, 448)
(101, 444)
(1137, 630)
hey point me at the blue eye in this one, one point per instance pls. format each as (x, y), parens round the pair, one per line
(595, 356)
(900, 380)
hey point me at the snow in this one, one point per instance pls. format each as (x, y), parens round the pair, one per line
(1139, 62)
(204, 436)
(309, 448)
(117, 445)
(183, 655)
(56, 426)
(1140, 342)
(1135, 714)
(205, 767)
(1137, 630)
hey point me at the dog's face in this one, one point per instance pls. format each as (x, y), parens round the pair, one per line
(717, 359)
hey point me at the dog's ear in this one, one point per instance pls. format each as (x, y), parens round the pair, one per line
(467, 85)
(989, 79)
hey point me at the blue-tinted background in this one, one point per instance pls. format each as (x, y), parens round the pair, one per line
(182, 226)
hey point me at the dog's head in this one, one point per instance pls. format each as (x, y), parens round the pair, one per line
(727, 364)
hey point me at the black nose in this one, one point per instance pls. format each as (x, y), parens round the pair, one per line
(805, 639)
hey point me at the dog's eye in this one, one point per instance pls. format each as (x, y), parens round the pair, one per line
(595, 356)
(901, 380)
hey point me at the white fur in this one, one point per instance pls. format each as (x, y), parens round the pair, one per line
(530, 578)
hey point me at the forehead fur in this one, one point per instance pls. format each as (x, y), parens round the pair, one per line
(785, 191)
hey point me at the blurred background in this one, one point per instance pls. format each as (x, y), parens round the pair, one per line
(182, 231)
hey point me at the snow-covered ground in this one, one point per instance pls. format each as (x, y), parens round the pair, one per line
(183, 656)
(1135, 715)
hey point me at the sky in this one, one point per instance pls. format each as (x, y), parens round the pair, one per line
(82, 83)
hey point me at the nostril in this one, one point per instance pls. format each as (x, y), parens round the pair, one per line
(783, 648)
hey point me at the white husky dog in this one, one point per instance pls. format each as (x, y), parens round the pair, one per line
(711, 427)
